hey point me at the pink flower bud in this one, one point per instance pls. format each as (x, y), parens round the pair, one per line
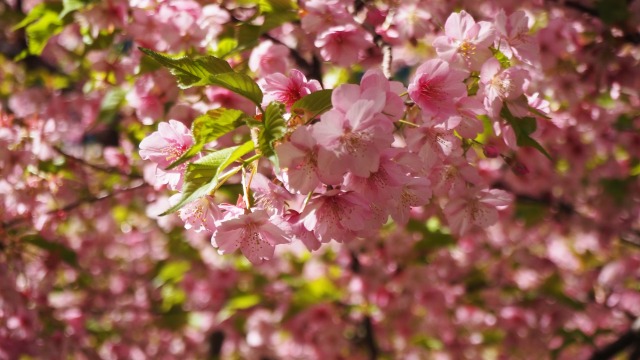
(491, 151)
(520, 169)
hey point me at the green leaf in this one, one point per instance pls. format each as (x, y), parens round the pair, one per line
(624, 122)
(172, 272)
(315, 291)
(538, 113)
(172, 297)
(432, 238)
(202, 176)
(504, 61)
(225, 47)
(38, 12)
(613, 11)
(530, 211)
(40, 31)
(313, 104)
(69, 6)
(275, 19)
(276, 5)
(554, 287)
(110, 104)
(240, 84)
(191, 72)
(65, 253)
(273, 128)
(247, 36)
(238, 302)
(523, 127)
(207, 128)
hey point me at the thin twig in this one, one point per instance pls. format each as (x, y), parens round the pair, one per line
(108, 170)
(73, 205)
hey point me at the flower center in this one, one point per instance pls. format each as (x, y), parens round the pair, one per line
(467, 49)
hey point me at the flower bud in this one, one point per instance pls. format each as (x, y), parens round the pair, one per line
(491, 151)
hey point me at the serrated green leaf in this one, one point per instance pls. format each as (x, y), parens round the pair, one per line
(273, 128)
(191, 72)
(240, 84)
(202, 176)
(65, 253)
(313, 104)
(207, 128)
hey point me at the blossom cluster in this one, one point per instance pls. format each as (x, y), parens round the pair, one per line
(371, 156)
(406, 179)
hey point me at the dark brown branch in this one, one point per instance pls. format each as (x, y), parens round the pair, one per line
(385, 47)
(625, 341)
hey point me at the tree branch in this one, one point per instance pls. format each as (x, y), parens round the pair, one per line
(311, 69)
(73, 205)
(108, 170)
(625, 341)
(628, 35)
(367, 323)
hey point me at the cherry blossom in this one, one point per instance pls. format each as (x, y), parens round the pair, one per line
(252, 233)
(466, 41)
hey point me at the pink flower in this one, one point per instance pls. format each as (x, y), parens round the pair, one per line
(269, 196)
(436, 87)
(479, 209)
(221, 97)
(498, 85)
(299, 232)
(287, 90)
(513, 37)
(322, 14)
(342, 44)
(352, 142)
(268, 58)
(433, 142)
(412, 20)
(466, 121)
(165, 146)
(416, 192)
(298, 160)
(200, 214)
(383, 184)
(253, 233)
(465, 42)
(336, 215)
(374, 82)
(149, 94)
